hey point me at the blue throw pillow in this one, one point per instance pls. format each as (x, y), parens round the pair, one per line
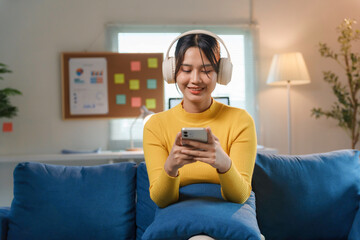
(146, 208)
(73, 202)
(201, 210)
(312, 196)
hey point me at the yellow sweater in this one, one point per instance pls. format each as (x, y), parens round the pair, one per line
(236, 131)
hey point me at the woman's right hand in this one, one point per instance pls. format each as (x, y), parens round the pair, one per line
(176, 159)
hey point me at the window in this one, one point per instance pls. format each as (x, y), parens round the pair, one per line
(133, 39)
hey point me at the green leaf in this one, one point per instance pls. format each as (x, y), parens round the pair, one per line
(4, 69)
(10, 92)
(317, 112)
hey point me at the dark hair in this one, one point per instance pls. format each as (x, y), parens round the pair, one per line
(207, 44)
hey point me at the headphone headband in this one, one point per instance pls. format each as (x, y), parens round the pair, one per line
(198, 32)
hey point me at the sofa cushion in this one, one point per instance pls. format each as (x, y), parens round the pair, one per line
(145, 207)
(201, 210)
(355, 229)
(312, 196)
(4, 221)
(73, 202)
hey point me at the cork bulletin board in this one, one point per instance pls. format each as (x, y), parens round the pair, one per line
(111, 85)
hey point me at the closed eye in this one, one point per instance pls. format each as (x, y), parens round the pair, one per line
(186, 69)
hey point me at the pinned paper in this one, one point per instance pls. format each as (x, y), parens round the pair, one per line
(152, 63)
(136, 102)
(135, 66)
(120, 99)
(150, 103)
(7, 127)
(151, 83)
(134, 84)
(119, 78)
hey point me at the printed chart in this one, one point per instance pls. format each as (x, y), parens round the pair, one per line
(88, 89)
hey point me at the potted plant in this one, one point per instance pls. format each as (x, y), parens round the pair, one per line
(6, 109)
(346, 89)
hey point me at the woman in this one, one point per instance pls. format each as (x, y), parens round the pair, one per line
(227, 158)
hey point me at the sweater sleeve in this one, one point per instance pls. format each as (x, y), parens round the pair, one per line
(236, 182)
(164, 189)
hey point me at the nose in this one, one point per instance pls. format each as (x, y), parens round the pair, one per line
(195, 76)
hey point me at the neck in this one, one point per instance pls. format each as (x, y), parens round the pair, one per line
(194, 107)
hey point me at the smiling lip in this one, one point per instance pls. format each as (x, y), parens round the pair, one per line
(195, 90)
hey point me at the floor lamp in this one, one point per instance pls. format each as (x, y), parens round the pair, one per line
(288, 69)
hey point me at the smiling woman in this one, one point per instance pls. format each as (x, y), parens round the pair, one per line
(228, 156)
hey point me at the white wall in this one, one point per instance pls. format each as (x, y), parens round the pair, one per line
(287, 26)
(34, 33)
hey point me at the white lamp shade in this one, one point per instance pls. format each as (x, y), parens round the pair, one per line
(288, 68)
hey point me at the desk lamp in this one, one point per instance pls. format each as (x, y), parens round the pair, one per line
(145, 115)
(288, 69)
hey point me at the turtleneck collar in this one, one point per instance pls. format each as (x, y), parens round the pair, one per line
(205, 116)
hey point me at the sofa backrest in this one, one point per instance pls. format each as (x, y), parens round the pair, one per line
(71, 202)
(312, 196)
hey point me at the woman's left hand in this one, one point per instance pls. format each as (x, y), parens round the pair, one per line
(210, 152)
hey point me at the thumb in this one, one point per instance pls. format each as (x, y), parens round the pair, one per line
(210, 136)
(178, 139)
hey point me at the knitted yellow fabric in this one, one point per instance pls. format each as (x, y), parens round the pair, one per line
(236, 131)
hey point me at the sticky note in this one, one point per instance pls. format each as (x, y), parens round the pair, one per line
(136, 101)
(134, 84)
(120, 99)
(119, 78)
(152, 63)
(151, 83)
(150, 103)
(7, 127)
(135, 66)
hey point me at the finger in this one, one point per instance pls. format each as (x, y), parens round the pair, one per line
(178, 139)
(194, 153)
(210, 135)
(190, 144)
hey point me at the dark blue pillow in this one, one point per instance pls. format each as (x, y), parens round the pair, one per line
(312, 196)
(201, 210)
(71, 202)
(145, 207)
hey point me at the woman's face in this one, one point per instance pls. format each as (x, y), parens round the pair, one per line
(196, 80)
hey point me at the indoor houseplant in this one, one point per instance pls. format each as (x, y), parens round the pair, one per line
(6, 109)
(346, 88)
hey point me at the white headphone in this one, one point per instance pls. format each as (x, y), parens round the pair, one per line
(225, 68)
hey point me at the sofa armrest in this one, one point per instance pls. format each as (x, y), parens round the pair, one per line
(4, 221)
(355, 228)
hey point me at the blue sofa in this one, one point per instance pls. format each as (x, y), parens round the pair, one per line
(314, 196)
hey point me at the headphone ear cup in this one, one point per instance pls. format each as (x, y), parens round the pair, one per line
(225, 71)
(168, 68)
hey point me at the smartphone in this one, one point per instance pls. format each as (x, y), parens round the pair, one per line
(196, 134)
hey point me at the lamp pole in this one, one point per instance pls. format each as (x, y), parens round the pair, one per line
(289, 117)
(131, 128)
